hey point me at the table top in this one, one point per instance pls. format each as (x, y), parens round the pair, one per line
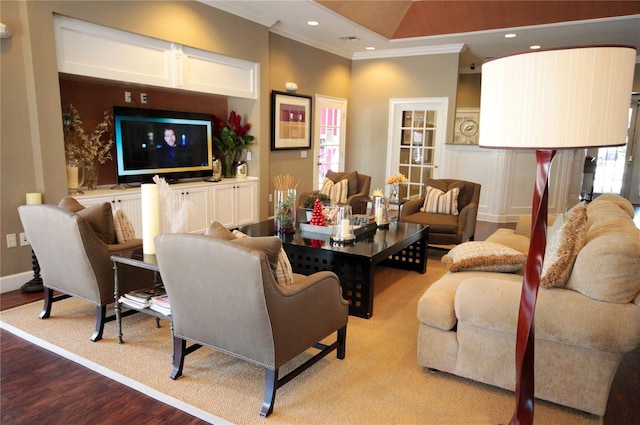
(369, 244)
(138, 259)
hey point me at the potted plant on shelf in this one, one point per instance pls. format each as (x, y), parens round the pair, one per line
(89, 149)
(231, 139)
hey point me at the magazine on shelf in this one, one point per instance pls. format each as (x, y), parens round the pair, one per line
(159, 309)
(144, 295)
(161, 304)
(133, 303)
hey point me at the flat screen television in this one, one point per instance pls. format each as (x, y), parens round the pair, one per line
(173, 145)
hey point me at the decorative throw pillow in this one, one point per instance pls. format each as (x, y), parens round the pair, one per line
(484, 256)
(351, 177)
(283, 270)
(562, 249)
(337, 192)
(270, 245)
(98, 216)
(123, 227)
(217, 230)
(437, 201)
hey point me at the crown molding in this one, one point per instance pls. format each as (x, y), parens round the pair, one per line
(410, 51)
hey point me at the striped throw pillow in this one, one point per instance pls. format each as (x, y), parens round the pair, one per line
(439, 202)
(284, 272)
(123, 227)
(337, 192)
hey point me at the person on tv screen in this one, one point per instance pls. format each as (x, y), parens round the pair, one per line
(170, 155)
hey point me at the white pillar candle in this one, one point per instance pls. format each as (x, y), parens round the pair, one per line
(345, 228)
(34, 198)
(150, 217)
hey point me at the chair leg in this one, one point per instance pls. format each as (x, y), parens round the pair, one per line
(179, 351)
(48, 300)
(271, 384)
(101, 318)
(342, 342)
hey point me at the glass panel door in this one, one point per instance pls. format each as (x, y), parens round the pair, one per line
(331, 124)
(420, 129)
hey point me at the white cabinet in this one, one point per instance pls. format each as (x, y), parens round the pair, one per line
(232, 202)
(236, 204)
(83, 48)
(199, 197)
(129, 203)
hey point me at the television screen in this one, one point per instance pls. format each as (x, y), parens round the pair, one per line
(171, 144)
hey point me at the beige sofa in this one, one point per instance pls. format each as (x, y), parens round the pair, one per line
(468, 318)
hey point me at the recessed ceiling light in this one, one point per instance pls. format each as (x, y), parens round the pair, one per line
(510, 35)
(534, 47)
(370, 48)
(313, 23)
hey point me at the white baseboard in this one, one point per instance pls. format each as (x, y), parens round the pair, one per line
(14, 281)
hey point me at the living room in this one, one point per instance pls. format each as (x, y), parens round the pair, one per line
(34, 96)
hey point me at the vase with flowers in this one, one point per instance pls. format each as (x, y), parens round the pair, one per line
(231, 139)
(395, 181)
(89, 149)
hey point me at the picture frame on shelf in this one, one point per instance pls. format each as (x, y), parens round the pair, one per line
(290, 121)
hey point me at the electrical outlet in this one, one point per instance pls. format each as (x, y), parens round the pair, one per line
(127, 96)
(270, 197)
(24, 241)
(11, 240)
(143, 97)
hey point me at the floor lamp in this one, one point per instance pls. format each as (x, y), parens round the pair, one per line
(545, 100)
(35, 284)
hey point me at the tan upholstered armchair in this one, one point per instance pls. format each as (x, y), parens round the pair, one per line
(444, 228)
(358, 187)
(224, 296)
(75, 261)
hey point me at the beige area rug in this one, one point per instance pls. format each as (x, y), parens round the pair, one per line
(379, 381)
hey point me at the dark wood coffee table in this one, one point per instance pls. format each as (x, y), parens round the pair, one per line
(402, 245)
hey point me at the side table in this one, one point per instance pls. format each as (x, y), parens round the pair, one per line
(143, 261)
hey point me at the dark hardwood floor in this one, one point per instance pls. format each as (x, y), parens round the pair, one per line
(37, 386)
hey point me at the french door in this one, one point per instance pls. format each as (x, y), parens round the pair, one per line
(330, 128)
(417, 131)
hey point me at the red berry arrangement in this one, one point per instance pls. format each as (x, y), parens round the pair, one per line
(317, 218)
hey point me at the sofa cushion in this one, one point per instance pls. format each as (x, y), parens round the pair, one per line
(484, 256)
(440, 202)
(99, 217)
(123, 228)
(337, 192)
(563, 248)
(608, 266)
(282, 269)
(350, 177)
(508, 237)
(438, 223)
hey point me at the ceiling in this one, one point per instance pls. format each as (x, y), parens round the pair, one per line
(416, 27)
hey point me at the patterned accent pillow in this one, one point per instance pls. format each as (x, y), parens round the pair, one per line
(123, 227)
(337, 192)
(485, 257)
(284, 272)
(563, 247)
(437, 201)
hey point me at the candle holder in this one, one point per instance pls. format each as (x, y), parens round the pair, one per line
(343, 228)
(380, 210)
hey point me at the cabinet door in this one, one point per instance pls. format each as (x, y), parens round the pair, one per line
(245, 194)
(224, 205)
(199, 216)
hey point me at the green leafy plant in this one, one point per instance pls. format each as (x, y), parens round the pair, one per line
(284, 213)
(310, 199)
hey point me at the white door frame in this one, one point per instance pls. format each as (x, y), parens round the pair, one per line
(331, 102)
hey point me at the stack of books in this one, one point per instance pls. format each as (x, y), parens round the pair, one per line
(141, 298)
(161, 304)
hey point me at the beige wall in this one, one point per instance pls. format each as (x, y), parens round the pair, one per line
(316, 72)
(468, 91)
(373, 83)
(32, 152)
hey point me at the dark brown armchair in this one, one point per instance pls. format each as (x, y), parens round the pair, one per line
(224, 296)
(359, 185)
(75, 261)
(447, 229)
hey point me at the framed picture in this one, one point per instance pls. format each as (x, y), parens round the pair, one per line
(290, 121)
(466, 130)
